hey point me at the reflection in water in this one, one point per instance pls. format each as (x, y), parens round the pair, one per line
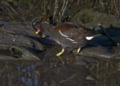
(35, 73)
(17, 73)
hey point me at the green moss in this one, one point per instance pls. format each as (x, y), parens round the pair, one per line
(86, 16)
(83, 16)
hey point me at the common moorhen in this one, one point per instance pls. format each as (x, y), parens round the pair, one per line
(67, 35)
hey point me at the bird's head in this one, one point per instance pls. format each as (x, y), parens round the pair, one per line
(44, 29)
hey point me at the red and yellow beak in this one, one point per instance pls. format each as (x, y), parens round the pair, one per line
(38, 31)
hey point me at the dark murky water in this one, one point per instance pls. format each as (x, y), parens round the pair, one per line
(36, 73)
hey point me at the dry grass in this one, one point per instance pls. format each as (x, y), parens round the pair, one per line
(60, 10)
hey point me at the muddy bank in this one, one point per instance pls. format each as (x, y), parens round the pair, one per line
(18, 41)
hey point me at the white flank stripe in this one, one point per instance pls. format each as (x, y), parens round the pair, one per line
(71, 40)
(67, 37)
(89, 37)
(63, 34)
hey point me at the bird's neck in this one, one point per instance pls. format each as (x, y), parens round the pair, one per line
(47, 28)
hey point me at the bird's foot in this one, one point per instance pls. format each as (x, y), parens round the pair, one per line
(60, 53)
(61, 59)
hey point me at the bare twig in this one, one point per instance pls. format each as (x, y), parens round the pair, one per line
(55, 9)
(5, 3)
(61, 14)
(116, 7)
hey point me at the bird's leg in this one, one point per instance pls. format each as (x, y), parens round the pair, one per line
(60, 53)
(79, 50)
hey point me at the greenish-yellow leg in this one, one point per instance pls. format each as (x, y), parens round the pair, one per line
(60, 53)
(79, 50)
